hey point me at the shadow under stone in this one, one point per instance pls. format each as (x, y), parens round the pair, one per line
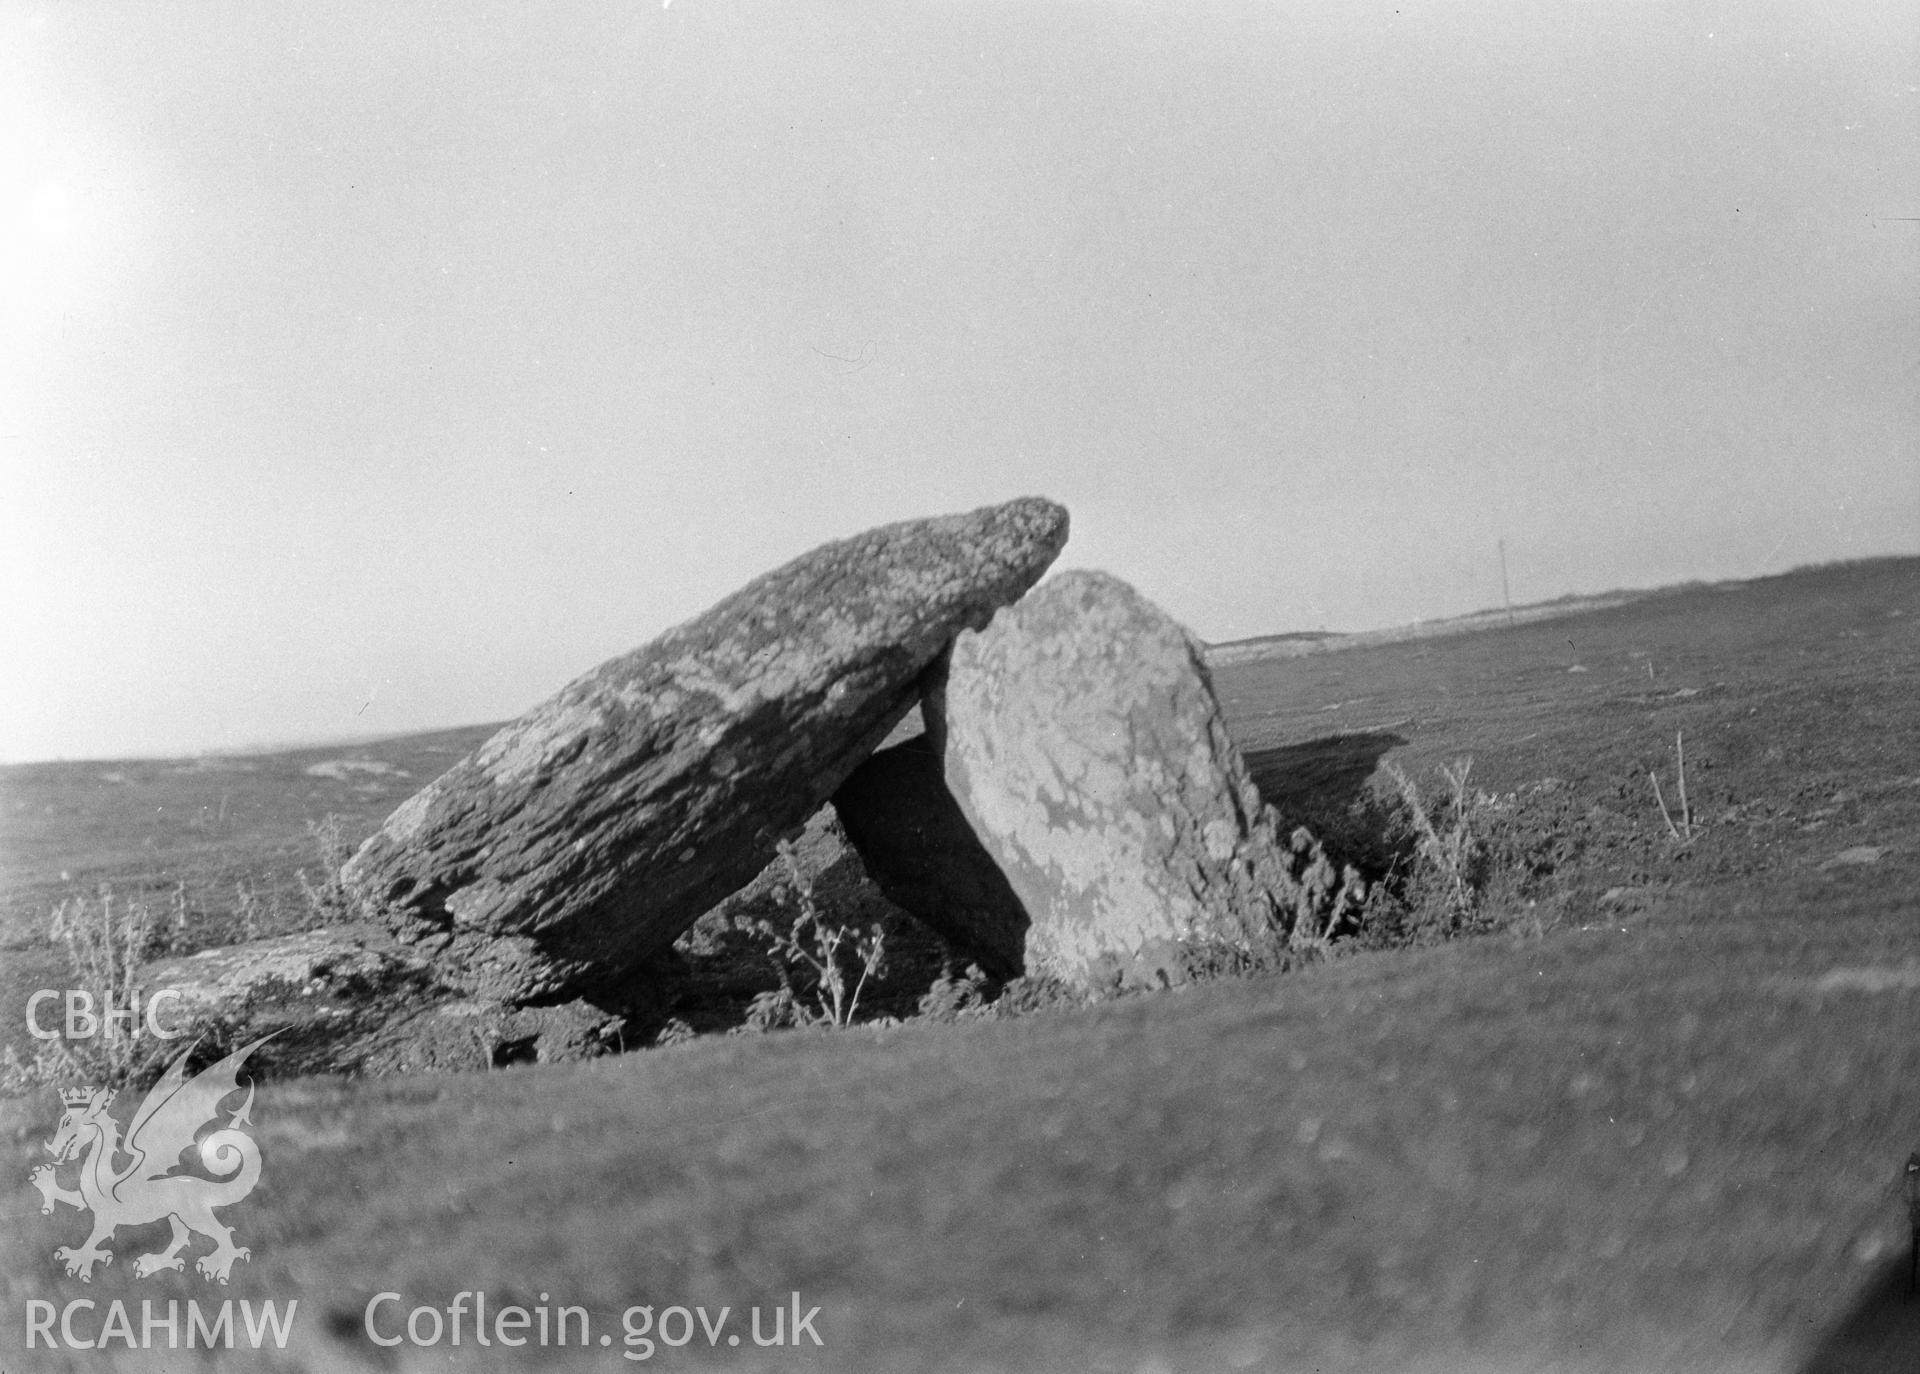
(1880, 1333)
(920, 850)
(1319, 776)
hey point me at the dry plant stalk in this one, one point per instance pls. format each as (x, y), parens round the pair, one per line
(107, 951)
(1450, 853)
(815, 943)
(1682, 832)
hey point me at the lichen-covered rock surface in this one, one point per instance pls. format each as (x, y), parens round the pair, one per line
(222, 980)
(349, 999)
(1081, 737)
(588, 834)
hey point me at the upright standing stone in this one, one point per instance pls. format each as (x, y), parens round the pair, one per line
(588, 834)
(1081, 738)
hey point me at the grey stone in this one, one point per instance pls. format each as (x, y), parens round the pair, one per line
(1081, 738)
(460, 1036)
(348, 999)
(222, 980)
(588, 834)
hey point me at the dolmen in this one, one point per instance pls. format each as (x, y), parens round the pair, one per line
(590, 833)
(1072, 808)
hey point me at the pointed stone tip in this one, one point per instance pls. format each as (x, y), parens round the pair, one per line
(1031, 530)
(1046, 518)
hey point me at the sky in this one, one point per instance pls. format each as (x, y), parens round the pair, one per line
(370, 367)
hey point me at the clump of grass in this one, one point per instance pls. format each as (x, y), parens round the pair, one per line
(834, 960)
(109, 944)
(955, 996)
(1037, 992)
(47, 1067)
(1328, 900)
(262, 907)
(1444, 859)
(105, 950)
(1451, 849)
(328, 902)
(179, 920)
(674, 1032)
(774, 1009)
(253, 914)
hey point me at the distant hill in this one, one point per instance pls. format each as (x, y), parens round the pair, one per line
(1299, 642)
(1325, 641)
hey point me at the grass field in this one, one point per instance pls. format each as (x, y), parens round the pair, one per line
(1658, 1122)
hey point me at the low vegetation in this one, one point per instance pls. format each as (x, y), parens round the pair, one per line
(107, 942)
(808, 948)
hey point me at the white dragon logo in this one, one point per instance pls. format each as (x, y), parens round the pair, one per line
(146, 1189)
